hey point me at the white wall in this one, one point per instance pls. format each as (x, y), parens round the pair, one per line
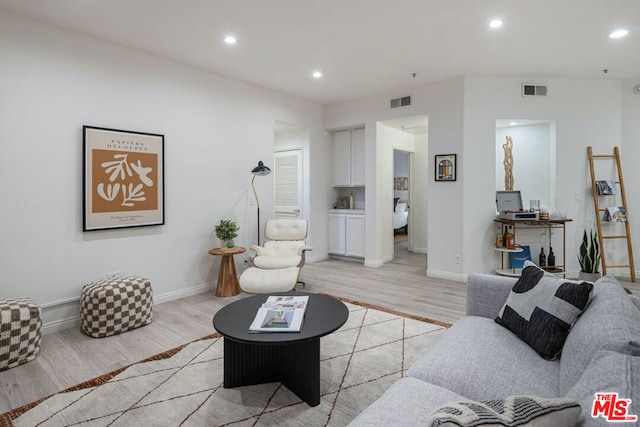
(583, 117)
(400, 170)
(442, 102)
(462, 115)
(630, 156)
(55, 81)
(531, 165)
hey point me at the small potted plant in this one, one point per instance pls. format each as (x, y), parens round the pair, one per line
(589, 257)
(227, 230)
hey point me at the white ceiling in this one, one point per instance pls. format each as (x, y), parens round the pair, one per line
(363, 47)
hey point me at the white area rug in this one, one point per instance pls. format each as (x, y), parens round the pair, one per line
(358, 363)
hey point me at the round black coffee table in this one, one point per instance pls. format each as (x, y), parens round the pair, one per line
(292, 358)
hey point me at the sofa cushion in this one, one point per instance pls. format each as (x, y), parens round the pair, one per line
(510, 411)
(542, 307)
(612, 322)
(408, 402)
(481, 360)
(608, 372)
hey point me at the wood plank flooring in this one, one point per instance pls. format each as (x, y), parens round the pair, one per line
(69, 357)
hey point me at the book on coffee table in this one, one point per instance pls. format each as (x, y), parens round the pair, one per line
(280, 314)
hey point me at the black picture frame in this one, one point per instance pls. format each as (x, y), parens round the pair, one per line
(123, 179)
(445, 167)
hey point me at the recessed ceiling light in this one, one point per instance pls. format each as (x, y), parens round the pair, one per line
(618, 33)
(230, 40)
(317, 74)
(513, 123)
(496, 23)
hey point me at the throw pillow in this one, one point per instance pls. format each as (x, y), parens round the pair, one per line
(542, 307)
(511, 411)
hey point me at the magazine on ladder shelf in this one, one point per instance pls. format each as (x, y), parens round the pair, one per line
(280, 314)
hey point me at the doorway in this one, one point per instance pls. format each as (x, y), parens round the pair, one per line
(401, 202)
(287, 178)
(407, 139)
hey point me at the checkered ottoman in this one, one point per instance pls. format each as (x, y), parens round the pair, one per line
(112, 306)
(20, 324)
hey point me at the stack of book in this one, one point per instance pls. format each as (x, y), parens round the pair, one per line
(280, 314)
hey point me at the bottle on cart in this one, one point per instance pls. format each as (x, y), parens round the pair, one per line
(543, 258)
(551, 261)
(504, 236)
(511, 243)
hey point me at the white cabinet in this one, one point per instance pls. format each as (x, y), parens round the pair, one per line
(337, 234)
(349, 158)
(346, 233)
(355, 235)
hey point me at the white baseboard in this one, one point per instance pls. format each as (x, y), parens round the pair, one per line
(458, 277)
(65, 314)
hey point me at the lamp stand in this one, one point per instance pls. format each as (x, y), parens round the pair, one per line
(258, 204)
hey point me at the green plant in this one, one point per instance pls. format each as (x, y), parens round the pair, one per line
(227, 229)
(589, 256)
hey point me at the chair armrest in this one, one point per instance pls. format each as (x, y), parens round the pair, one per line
(486, 294)
(303, 249)
(259, 250)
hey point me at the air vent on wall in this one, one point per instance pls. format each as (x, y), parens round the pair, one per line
(401, 102)
(534, 90)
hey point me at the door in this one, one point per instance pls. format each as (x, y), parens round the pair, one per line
(355, 235)
(288, 184)
(342, 159)
(337, 234)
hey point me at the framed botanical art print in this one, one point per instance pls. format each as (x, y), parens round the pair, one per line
(445, 169)
(123, 183)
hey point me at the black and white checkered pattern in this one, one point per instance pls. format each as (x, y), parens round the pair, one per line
(20, 331)
(112, 306)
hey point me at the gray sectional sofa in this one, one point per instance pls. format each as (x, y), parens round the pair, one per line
(477, 359)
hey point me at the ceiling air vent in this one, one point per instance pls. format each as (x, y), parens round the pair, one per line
(401, 102)
(534, 90)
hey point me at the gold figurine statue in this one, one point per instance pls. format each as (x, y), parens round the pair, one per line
(508, 164)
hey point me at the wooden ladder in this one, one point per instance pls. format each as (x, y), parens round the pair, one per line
(601, 211)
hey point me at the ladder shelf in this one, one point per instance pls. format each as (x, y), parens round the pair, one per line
(600, 212)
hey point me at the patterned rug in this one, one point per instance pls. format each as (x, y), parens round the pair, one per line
(184, 386)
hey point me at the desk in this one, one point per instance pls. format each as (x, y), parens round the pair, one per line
(228, 285)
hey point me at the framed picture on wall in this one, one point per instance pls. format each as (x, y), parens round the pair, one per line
(402, 184)
(343, 202)
(445, 167)
(123, 183)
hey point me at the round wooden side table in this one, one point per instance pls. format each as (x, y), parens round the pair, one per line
(228, 285)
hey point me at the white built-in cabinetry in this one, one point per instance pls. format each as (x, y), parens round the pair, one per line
(346, 232)
(349, 158)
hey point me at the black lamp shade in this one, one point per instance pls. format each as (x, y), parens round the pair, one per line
(261, 169)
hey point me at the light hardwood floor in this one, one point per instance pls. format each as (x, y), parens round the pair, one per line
(69, 357)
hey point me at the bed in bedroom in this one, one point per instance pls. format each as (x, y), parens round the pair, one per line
(400, 217)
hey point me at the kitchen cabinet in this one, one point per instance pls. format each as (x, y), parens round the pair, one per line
(347, 232)
(349, 158)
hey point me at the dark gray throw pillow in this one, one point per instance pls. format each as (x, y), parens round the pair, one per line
(542, 307)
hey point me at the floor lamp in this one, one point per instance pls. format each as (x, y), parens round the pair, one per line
(260, 170)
